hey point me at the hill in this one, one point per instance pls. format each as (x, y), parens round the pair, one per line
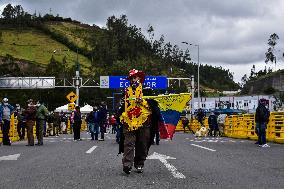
(268, 84)
(32, 45)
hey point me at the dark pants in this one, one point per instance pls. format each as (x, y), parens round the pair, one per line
(185, 126)
(136, 142)
(21, 128)
(39, 131)
(76, 130)
(102, 130)
(30, 135)
(113, 129)
(5, 131)
(213, 128)
(261, 128)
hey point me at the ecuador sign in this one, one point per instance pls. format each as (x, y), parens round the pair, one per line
(114, 82)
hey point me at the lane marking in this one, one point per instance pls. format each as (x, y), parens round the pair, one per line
(171, 168)
(10, 157)
(212, 150)
(91, 150)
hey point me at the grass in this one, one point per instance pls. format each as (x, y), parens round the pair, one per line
(75, 33)
(33, 45)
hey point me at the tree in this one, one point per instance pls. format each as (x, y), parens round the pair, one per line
(252, 72)
(272, 41)
(8, 12)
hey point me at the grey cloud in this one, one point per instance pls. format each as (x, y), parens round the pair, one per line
(230, 32)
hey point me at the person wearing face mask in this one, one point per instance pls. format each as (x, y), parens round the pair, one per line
(6, 111)
(94, 120)
(30, 115)
(41, 116)
(139, 119)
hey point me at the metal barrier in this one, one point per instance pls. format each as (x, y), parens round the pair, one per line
(13, 134)
(243, 126)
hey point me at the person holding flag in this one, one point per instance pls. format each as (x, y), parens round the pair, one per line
(140, 121)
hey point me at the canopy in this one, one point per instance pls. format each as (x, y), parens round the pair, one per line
(86, 109)
(63, 108)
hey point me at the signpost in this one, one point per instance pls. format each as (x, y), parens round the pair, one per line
(71, 106)
(71, 97)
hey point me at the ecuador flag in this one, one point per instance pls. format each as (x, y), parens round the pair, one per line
(171, 107)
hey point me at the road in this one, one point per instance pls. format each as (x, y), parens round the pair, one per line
(193, 163)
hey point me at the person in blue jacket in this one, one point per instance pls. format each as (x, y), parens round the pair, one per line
(6, 111)
(213, 124)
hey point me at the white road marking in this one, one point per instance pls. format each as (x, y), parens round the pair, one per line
(91, 150)
(203, 147)
(10, 157)
(163, 159)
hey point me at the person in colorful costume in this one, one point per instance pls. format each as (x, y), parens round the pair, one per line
(140, 119)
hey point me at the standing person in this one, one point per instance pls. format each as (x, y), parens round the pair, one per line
(50, 121)
(113, 124)
(139, 118)
(213, 124)
(41, 116)
(6, 111)
(30, 114)
(56, 124)
(21, 126)
(185, 123)
(94, 121)
(103, 120)
(261, 119)
(77, 123)
(200, 116)
(62, 122)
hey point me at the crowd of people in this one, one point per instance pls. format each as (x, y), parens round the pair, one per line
(136, 124)
(49, 123)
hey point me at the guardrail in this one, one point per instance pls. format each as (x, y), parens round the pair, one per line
(243, 127)
(13, 134)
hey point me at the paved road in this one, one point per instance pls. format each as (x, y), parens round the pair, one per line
(203, 163)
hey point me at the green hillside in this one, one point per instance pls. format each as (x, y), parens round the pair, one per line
(35, 46)
(51, 43)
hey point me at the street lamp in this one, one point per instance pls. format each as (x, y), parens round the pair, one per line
(198, 91)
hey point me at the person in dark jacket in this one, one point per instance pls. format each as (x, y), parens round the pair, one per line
(139, 120)
(77, 123)
(200, 116)
(30, 114)
(21, 125)
(6, 110)
(261, 119)
(103, 120)
(93, 120)
(213, 124)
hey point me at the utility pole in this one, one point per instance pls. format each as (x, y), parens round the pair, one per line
(77, 79)
(192, 96)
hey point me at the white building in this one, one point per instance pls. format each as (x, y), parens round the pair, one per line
(247, 103)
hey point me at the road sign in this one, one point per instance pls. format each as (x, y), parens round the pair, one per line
(154, 82)
(71, 96)
(71, 106)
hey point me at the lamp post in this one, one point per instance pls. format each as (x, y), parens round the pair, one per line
(198, 91)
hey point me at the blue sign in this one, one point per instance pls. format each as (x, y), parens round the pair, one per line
(154, 82)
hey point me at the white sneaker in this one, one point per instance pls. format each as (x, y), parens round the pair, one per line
(265, 146)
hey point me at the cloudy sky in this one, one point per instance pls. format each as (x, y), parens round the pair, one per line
(231, 33)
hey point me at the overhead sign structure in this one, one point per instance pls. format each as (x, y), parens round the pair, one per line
(27, 82)
(71, 97)
(115, 82)
(71, 106)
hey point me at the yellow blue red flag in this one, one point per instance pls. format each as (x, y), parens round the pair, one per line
(171, 107)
